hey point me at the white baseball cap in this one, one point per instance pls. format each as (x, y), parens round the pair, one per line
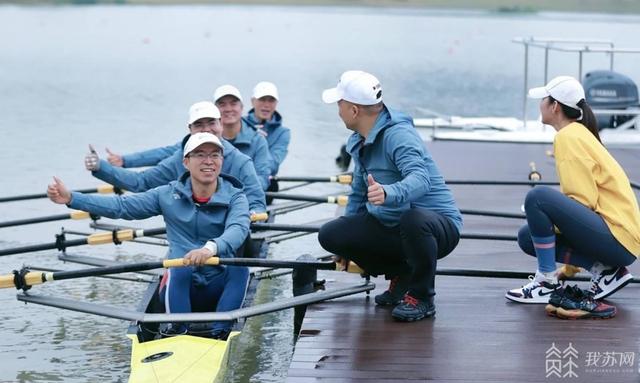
(564, 89)
(357, 87)
(265, 88)
(203, 109)
(226, 90)
(201, 138)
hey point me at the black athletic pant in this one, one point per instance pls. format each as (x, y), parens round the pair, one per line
(410, 248)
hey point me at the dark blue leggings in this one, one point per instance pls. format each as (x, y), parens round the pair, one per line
(224, 292)
(585, 237)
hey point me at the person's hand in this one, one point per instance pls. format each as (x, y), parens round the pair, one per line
(114, 159)
(91, 160)
(58, 192)
(198, 257)
(375, 192)
(262, 132)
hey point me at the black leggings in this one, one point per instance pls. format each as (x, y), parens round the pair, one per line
(410, 248)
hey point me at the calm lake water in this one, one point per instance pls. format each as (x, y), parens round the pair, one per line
(123, 77)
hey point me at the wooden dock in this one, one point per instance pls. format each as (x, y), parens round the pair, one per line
(476, 335)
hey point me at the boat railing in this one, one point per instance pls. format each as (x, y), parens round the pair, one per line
(579, 46)
(245, 312)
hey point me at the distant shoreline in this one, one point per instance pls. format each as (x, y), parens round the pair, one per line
(503, 6)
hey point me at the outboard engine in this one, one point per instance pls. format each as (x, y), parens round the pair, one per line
(606, 89)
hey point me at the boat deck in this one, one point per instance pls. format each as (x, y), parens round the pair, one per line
(476, 335)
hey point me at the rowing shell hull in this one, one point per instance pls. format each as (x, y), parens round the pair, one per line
(182, 358)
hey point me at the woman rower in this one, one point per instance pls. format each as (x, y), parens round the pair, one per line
(593, 221)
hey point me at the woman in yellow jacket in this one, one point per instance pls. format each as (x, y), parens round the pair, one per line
(593, 221)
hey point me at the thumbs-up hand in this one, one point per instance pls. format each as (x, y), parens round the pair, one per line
(91, 160)
(58, 192)
(114, 158)
(375, 192)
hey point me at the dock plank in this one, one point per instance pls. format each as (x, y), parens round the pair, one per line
(476, 335)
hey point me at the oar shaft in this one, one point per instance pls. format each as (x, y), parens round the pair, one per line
(50, 218)
(104, 189)
(492, 214)
(284, 227)
(504, 183)
(340, 199)
(93, 239)
(493, 237)
(25, 279)
(257, 262)
(41, 247)
(314, 229)
(341, 178)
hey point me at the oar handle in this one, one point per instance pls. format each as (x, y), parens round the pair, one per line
(23, 280)
(341, 200)
(534, 175)
(79, 214)
(259, 217)
(344, 179)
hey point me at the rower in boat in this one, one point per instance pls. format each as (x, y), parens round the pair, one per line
(268, 122)
(242, 135)
(204, 116)
(206, 214)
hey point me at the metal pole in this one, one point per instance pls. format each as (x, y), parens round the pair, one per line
(526, 84)
(546, 64)
(580, 66)
(611, 58)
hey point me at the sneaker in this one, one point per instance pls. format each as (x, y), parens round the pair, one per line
(609, 281)
(537, 290)
(560, 296)
(398, 287)
(582, 305)
(412, 309)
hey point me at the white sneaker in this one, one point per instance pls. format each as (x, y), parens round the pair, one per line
(537, 290)
(609, 281)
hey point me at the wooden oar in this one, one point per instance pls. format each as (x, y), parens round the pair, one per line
(58, 217)
(24, 279)
(340, 178)
(102, 189)
(62, 243)
(116, 237)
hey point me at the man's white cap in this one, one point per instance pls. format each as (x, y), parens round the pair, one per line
(564, 89)
(201, 138)
(203, 109)
(357, 87)
(226, 90)
(265, 88)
